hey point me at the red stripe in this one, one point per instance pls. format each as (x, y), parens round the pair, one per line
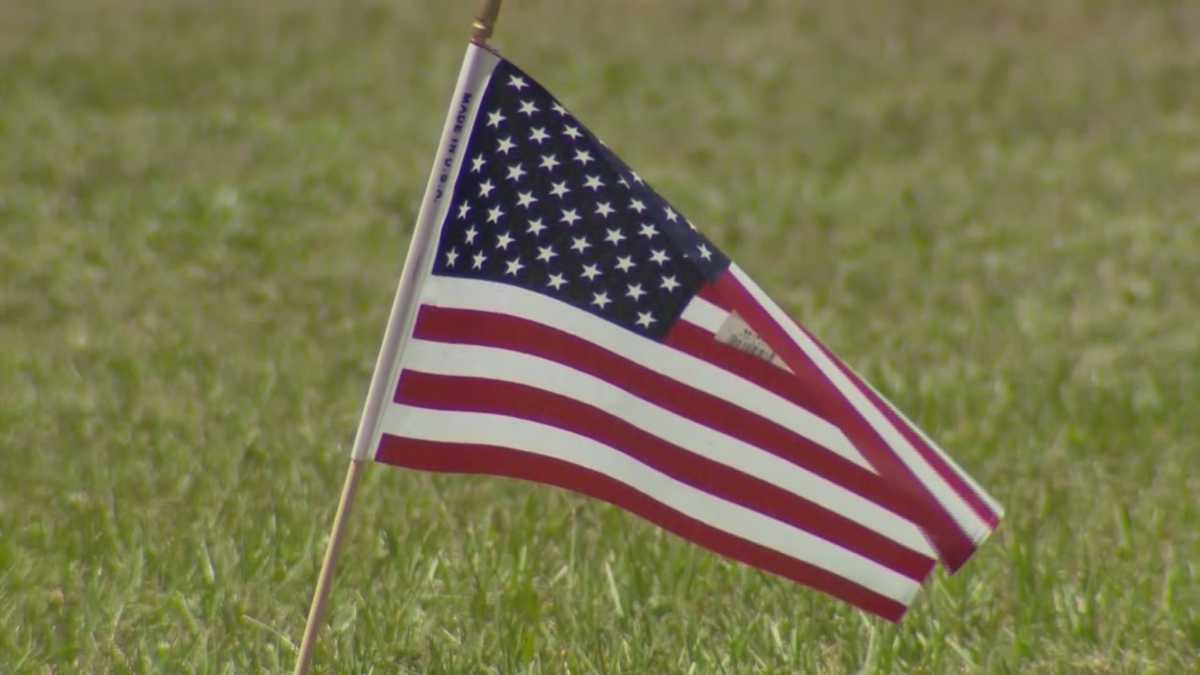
(953, 545)
(529, 403)
(712, 292)
(471, 458)
(514, 333)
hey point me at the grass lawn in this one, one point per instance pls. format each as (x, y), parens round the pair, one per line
(992, 210)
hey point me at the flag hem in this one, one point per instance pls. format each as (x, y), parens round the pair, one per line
(476, 70)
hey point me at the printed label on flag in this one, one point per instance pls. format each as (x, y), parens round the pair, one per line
(738, 334)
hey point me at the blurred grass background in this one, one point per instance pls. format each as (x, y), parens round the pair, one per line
(992, 210)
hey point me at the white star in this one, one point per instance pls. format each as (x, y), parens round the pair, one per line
(485, 188)
(625, 263)
(525, 199)
(690, 225)
(556, 281)
(495, 118)
(623, 182)
(479, 259)
(536, 227)
(614, 236)
(538, 134)
(580, 244)
(600, 299)
(559, 189)
(592, 182)
(572, 132)
(558, 108)
(671, 215)
(590, 272)
(704, 252)
(644, 319)
(583, 157)
(657, 256)
(528, 108)
(514, 266)
(569, 216)
(504, 240)
(515, 172)
(517, 82)
(604, 209)
(477, 164)
(463, 208)
(648, 230)
(506, 144)
(637, 205)
(545, 253)
(549, 162)
(471, 232)
(635, 291)
(669, 283)
(451, 257)
(636, 178)
(494, 214)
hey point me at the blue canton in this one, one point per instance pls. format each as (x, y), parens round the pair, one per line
(543, 204)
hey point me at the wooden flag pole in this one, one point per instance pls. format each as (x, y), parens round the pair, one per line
(316, 612)
(481, 30)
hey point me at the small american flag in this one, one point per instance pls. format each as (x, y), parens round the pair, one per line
(569, 326)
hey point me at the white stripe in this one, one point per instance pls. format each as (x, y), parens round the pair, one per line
(473, 78)
(959, 510)
(440, 358)
(704, 314)
(489, 296)
(549, 441)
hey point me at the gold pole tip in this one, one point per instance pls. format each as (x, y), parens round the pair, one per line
(480, 32)
(481, 28)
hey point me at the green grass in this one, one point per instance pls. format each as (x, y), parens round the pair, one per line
(991, 209)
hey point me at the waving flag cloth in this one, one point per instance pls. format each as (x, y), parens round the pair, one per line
(559, 321)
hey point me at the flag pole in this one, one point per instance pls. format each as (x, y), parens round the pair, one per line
(316, 611)
(481, 30)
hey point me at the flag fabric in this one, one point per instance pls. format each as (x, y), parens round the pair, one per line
(560, 322)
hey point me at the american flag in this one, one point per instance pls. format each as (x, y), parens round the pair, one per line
(567, 325)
